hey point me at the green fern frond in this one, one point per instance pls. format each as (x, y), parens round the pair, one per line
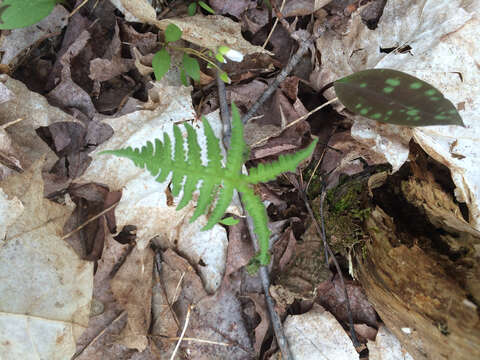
(257, 211)
(235, 155)
(160, 159)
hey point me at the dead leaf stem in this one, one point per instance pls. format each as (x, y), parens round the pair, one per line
(187, 320)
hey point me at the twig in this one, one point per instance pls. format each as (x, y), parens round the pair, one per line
(192, 339)
(78, 228)
(304, 45)
(328, 251)
(77, 8)
(10, 123)
(273, 27)
(274, 318)
(79, 352)
(187, 319)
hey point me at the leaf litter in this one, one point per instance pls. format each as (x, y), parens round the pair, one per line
(141, 293)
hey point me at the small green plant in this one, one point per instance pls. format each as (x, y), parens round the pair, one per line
(164, 158)
(190, 67)
(15, 14)
(381, 94)
(192, 8)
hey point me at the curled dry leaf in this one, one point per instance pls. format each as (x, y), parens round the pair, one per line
(34, 111)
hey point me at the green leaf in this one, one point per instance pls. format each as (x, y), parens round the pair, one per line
(191, 66)
(192, 8)
(229, 221)
(394, 97)
(172, 33)
(161, 63)
(220, 58)
(225, 78)
(183, 77)
(21, 13)
(206, 7)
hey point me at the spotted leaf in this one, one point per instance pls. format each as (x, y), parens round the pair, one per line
(394, 97)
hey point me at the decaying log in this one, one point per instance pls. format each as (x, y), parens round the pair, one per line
(420, 267)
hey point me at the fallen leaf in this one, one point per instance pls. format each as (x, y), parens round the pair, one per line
(332, 297)
(67, 93)
(317, 335)
(386, 347)
(34, 111)
(206, 249)
(262, 327)
(231, 7)
(132, 288)
(136, 11)
(219, 318)
(17, 41)
(211, 32)
(106, 317)
(240, 249)
(112, 64)
(45, 288)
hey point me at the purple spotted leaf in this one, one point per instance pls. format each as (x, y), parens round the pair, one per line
(394, 97)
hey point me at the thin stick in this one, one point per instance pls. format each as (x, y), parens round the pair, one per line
(187, 319)
(273, 27)
(13, 122)
(77, 8)
(78, 353)
(304, 45)
(274, 318)
(90, 220)
(193, 339)
(303, 117)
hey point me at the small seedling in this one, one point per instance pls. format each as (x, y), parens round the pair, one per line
(190, 67)
(192, 8)
(15, 14)
(164, 158)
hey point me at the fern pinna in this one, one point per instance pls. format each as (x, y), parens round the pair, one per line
(160, 161)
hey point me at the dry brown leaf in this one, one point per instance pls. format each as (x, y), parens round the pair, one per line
(219, 318)
(45, 289)
(331, 296)
(211, 32)
(132, 288)
(34, 111)
(317, 335)
(386, 346)
(106, 314)
(262, 327)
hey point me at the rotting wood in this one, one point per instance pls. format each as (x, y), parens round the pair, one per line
(421, 266)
